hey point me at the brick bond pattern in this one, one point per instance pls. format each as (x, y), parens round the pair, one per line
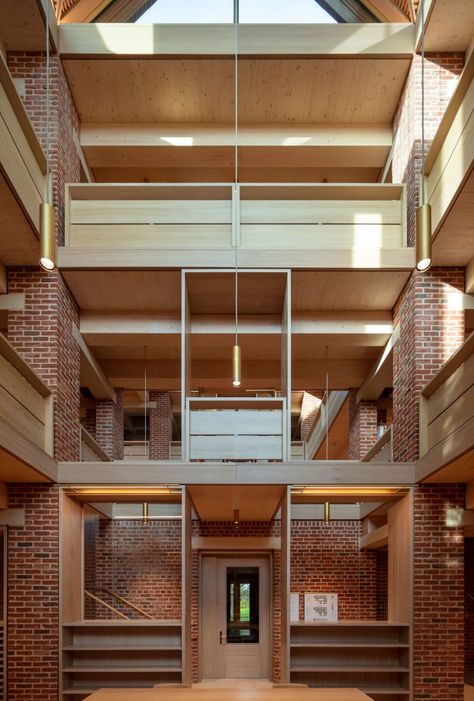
(109, 426)
(160, 426)
(438, 596)
(431, 320)
(362, 426)
(33, 602)
(309, 408)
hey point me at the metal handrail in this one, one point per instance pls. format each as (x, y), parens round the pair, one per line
(128, 603)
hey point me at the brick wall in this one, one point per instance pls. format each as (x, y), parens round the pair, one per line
(33, 585)
(65, 163)
(89, 419)
(362, 426)
(441, 73)
(438, 613)
(326, 558)
(431, 321)
(109, 426)
(42, 335)
(160, 426)
(469, 600)
(309, 408)
(140, 562)
(381, 557)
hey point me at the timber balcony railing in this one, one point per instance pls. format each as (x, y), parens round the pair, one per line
(26, 403)
(361, 225)
(447, 401)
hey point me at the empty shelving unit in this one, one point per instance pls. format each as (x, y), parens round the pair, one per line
(109, 653)
(370, 655)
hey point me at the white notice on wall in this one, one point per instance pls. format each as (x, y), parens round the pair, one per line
(320, 607)
(294, 607)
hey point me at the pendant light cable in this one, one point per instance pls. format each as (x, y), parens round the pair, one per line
(48, 106)
(422, 101)
(236, 152)
(147, 451)
(327, 404)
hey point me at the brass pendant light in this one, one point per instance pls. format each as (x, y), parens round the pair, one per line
(423, 213)
(236, 353)
(47, 215)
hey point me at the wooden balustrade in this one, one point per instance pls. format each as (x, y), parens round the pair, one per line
(26, 403)
(447, 401)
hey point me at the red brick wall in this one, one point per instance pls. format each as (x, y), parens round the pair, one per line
(138, 561)
(441, 72)
(438, 595)
(326, 558)
(362, 426)
(469, 594)
(42, 335)
(160, 426)
(382, 584)
(109, 426)
(33, 585)
(65, 163)
(431, 320)
(309, 408)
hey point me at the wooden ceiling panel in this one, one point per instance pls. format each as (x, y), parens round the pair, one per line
(341, 290)
(22, 27)
(258, 293)
(18, 242)
(450, 25)
(271, 90)
(218, 502)
(125, 290)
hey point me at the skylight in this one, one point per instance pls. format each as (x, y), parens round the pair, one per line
(221, 12)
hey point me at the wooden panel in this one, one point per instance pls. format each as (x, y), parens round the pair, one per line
(218, 503)
(186, 579)
(301, 90)
(152, 236)
(21, 419)
(71, 559)
(400, 560)
(320, 236)
(285, 584)
(319, 211)
(454, 386)
(151, 212)
(230, 422)
(451, 419)
(236, 448)
(229, 694)
(21, 390)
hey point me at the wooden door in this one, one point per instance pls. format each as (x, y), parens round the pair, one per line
(235, 618)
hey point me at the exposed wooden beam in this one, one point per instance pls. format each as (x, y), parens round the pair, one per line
(470, 277)
(13, 302)
(353, 327)
(85, 166)
(386, 11)
(375, 539)
(92, 376)
(22, 459)
(85, 10)
(122, 40)
(381, 373)
(129, 259)
(311, 472)
(3, 279)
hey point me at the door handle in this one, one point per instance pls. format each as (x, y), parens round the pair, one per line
(222, 639)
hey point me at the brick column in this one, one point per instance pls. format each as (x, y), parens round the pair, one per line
(33, 603)
(109, 426)
(430, 317)
(89, 420)
(438, 613)
(309, 408)
(160, 426)
(362, 426)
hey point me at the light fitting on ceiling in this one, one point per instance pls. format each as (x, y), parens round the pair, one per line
(236, 517)
(423, 213)
(47, 215)
(145, 512)
(344, 491)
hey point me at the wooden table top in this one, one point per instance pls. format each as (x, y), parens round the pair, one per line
(237, 694)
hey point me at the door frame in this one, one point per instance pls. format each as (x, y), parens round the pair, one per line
(238, 555)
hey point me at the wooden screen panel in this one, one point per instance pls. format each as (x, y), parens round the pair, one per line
(236, 447)
(320, 211)
(151, 236)
(320, 236)
(231, 421)
(151, 211)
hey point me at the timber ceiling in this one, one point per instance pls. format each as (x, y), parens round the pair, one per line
(454, 243)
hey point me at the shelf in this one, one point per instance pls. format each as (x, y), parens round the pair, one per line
(342, 624)
(75, 690)
(386, 690)
(121, 670)
(114, 623)
(122, 648)
(350, 645)
(318, 669)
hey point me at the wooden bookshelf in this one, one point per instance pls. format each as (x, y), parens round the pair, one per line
(110, 653)
(373, 656)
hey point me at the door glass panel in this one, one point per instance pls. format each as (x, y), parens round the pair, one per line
(242, 605)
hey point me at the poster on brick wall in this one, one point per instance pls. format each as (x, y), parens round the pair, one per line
(294, 607)
(320, 607)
